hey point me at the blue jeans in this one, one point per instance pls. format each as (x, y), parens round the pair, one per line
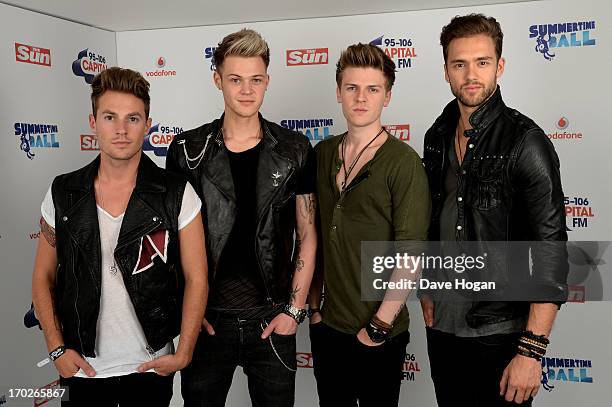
(269, 364)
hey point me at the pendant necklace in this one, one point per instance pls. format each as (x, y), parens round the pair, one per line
(352, 166)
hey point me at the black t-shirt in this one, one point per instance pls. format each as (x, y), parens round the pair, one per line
(238, 288)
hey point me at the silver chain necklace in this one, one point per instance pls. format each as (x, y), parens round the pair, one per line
(110, 251)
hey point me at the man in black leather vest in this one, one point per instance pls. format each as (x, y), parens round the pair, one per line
(494, 176)
(121, 270)
(256, 181)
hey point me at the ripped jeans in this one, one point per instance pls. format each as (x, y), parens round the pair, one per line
(269, 364)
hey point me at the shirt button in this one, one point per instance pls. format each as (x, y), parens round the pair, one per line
(463, 172)
(155, 218)
(460, 199)
(459, 227)
(333, 227)
(471, 146)
(338, 206)
(65, 218)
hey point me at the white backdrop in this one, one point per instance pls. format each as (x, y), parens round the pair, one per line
(564, 94)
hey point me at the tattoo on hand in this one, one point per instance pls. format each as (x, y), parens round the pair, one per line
(48, 232)
(308, 205)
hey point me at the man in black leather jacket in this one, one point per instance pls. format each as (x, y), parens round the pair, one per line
(257, 182)
(494, 176)
(121, 270)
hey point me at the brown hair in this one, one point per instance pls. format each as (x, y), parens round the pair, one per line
(243, 43)
(469, 25)
(120, 80)
(366, 56)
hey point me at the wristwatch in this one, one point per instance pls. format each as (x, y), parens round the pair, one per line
(295, 313)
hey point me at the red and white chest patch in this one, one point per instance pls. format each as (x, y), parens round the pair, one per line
(151, 246)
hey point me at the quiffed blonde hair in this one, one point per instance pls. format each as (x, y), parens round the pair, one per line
(243, 43)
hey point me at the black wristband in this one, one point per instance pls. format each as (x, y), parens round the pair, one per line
(56, 353)
(312, 311)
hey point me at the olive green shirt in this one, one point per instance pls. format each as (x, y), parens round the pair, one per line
(388, 200)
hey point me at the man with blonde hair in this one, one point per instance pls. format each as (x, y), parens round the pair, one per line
(371, 187)
(257, 184)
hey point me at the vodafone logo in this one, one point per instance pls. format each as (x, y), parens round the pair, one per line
(562, 123)
(89, 143)
(310, 56)
(32, 55)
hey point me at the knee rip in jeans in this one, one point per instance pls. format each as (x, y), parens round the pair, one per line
(263, 326)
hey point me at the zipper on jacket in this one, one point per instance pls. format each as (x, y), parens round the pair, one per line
(76, 309)
(269, 298)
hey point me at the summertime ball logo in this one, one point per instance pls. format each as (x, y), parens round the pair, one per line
(314, 129)
(399, 49)
(35, 136)
(552, 37)
(209, 52)
(88, 64)
(565, 370)
(159, 138)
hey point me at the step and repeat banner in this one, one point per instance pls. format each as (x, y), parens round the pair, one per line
(557, 69)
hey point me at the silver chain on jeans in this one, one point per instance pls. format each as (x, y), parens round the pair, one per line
(274, 349)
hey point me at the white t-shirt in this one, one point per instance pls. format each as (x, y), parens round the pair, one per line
(121, 345)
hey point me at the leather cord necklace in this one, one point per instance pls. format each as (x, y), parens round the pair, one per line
(352, 166)
(458, 143)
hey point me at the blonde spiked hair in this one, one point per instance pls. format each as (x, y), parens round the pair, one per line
(243, 43)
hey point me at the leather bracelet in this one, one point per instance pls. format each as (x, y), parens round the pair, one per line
(57, 352)
(312, 311)
(379, 323)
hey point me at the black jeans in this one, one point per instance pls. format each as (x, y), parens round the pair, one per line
(482, 361)
(347, 370)
(137, 389)
(269, 364)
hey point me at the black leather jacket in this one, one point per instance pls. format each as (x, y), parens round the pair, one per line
(201, 155)
(156, 292)
(509, 189)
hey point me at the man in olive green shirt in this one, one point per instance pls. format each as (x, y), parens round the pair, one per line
(371, 187)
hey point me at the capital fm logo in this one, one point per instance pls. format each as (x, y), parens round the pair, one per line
(160, 63)
(307, 56)
(579, 212)
(159, 138)
(564, 132)
(32, 55)
(399, 48)
(551, 38)
(88, 64)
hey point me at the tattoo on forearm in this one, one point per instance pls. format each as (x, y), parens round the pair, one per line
(298, 263)
(294, 291)
(48, 232)
(308, 205)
